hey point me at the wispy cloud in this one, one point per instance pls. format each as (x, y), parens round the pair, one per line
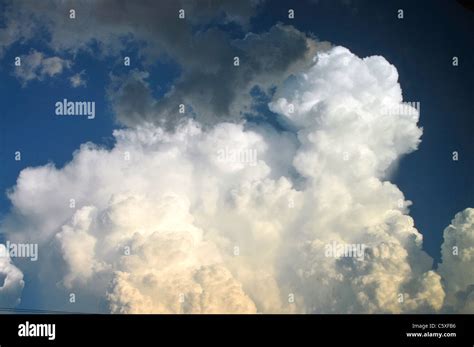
(37, 66)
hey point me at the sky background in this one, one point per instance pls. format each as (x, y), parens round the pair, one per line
(421, 46)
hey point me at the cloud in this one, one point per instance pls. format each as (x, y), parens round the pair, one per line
(77, 80)
(219, 91)
(234, 217)
(11, 280)
(457, 266)
(36, 66)
(211, 87)
(103, 21)
(339, 105)
(152, 219)
(202, 212)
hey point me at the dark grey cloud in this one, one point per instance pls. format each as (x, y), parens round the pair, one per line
(210, 85)
(107, 22)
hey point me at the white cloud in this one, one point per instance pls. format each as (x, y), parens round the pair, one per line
(11, 280)
(77, 80)
(212, 235)
(36, 66)
(457, 266)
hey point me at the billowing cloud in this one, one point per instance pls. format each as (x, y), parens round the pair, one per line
(234, 217)
(457, 266)
(11, 280)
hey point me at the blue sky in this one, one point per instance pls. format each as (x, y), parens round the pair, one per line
(421, 46)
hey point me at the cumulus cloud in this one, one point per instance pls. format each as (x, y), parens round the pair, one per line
(11, 280)
(170, 255)
(234, 217)
(36, 66)
(457, 266)
(351, 95)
